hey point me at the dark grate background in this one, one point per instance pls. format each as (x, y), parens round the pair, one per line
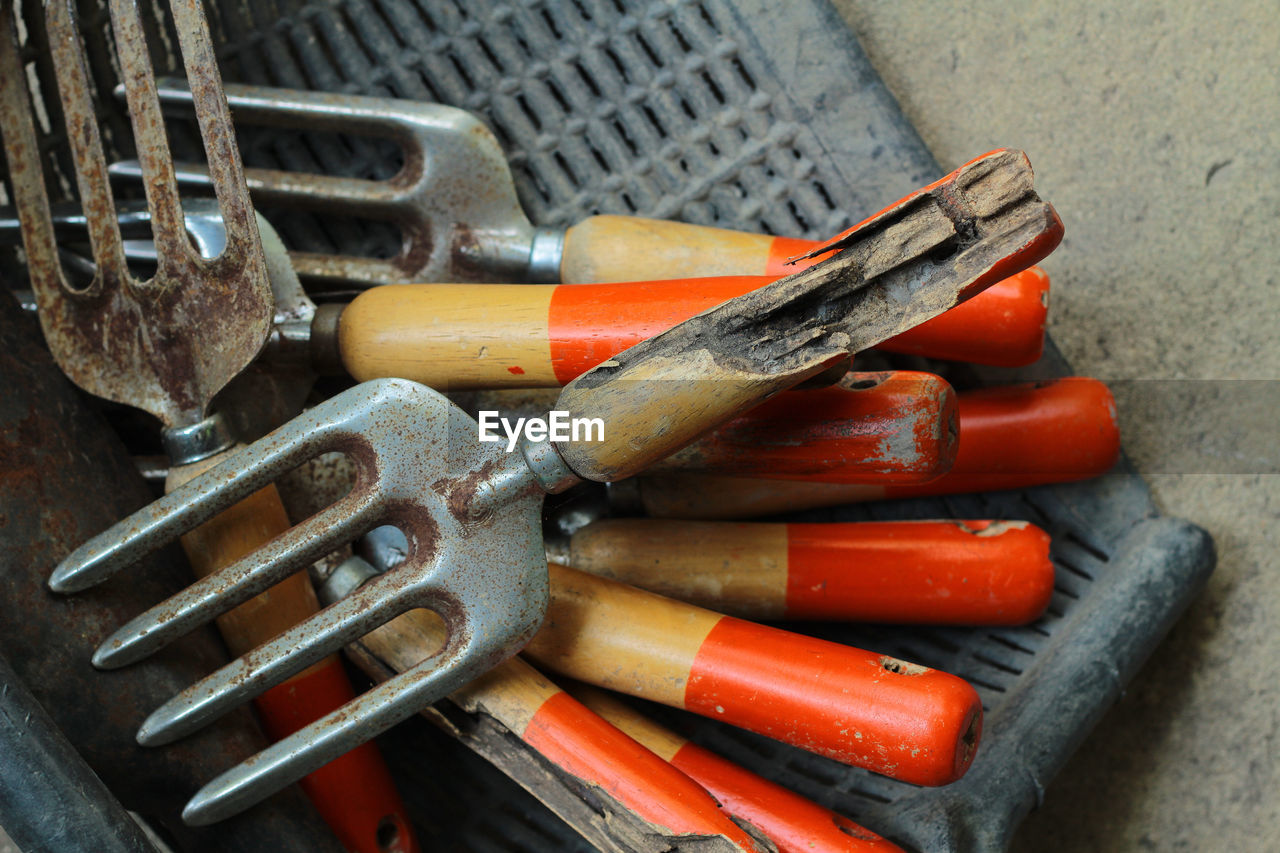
(738, 115)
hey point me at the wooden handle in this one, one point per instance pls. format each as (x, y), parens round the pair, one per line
(353, 793)
(907, 264)
(864, 709)
(889, 427)
(793, 823)
(630, 248)
(924, 572)
(1003, 326)
(1011, 437)
(565, 732)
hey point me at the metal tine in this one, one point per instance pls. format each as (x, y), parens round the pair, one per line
(174, 253)
(216, 131)
(227, 588)
(310, 748)
(27, 172)
(382, 199)
(326, 632)
(200, 499)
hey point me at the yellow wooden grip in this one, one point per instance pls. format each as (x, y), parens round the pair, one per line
(629, 248)
(450, 336)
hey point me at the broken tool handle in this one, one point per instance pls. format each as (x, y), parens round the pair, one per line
(922, 572)
(886, 427)
(905, 721)
(1003, 326)
(1011, 437)
(914, 260)
(795, 824)
(563, 731)
(353, 793)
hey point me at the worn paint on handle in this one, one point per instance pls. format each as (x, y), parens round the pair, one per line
(896, 718)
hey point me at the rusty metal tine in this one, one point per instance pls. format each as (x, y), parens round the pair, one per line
(26, 172)
(274, 662)
(167, 224)
(194, 503)
(230, 587)
(310, 748)
(378, 199)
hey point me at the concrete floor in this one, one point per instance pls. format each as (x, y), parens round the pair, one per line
(1155, 131)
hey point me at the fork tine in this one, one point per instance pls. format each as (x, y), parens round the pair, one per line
(197, 501)
(223, 590)
(274, 662)
(366, 716)
(378, 199)
(167, 224)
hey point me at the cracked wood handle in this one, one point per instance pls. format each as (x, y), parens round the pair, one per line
(354, 792)
(864, 709)
(1003, 326)
(1011, 437)
(564, 732)
(795, 824)
(914, 260)
(900, 572)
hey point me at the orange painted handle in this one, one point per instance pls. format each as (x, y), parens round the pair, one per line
(565, 732)
(578, 740)
(793, 823)
(924, 572)
(890, 427)
(1011, 437)
(354, 792)
(1002, 326)
(905, 721)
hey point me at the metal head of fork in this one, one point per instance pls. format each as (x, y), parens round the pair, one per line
(470, 513)
(166, 345)
(453, 200)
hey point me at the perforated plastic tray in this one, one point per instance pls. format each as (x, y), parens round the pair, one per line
(744, 115)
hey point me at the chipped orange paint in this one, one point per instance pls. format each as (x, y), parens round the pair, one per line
(795, 824)
(905, 721)
(578, 740)
(892, 427)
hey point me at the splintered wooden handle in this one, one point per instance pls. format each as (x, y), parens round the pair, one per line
(919, 257)
(564, 732)
(888, 427)
(354, 792)
(865, 709)
(795, 824)
(924, 572)
(1002, 326)
(1011, 437)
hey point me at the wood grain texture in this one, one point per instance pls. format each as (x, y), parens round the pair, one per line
(581, 637)
(631, 248)
(450, 336)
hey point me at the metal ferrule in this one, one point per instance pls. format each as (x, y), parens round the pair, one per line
(188, 444)
(553, 474)
(326, 357)
(351, 574)
(546, 251)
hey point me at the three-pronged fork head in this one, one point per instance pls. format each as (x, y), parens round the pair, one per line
(470, 512)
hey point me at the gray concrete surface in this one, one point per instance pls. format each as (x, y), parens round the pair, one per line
(1155, 130)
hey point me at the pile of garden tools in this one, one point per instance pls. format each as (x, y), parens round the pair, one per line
(358, 454)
